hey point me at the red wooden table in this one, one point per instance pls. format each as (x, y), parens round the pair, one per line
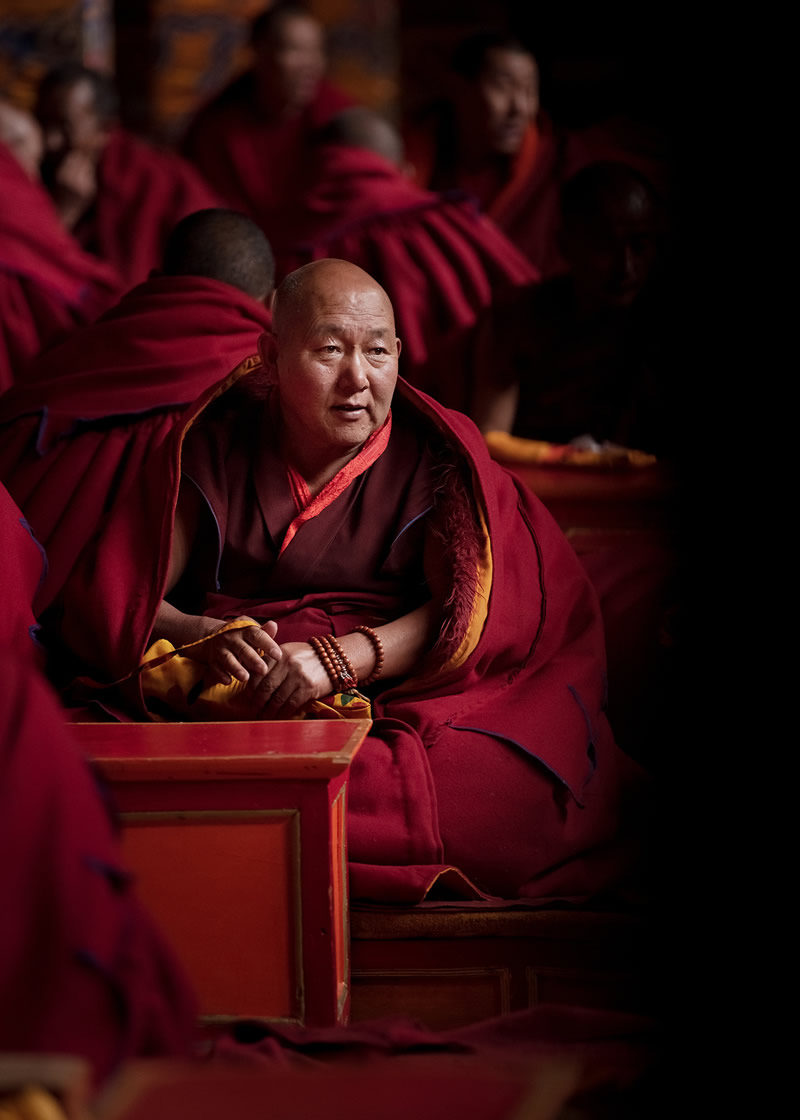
(236, 834)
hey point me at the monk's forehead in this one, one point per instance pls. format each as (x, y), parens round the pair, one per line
(331, 294)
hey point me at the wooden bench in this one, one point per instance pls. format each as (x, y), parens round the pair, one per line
(236, 834)
(451, 967)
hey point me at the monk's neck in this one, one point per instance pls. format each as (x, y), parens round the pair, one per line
(316, 471)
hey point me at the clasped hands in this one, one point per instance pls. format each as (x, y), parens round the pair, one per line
(279, 679)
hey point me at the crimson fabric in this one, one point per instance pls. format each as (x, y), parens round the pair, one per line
(504, 766)
(255, 164)
(142, 363)
(24, 566)
(142, 192)
(48, 285)
(526, 205)
(82, 969)
(440, 261)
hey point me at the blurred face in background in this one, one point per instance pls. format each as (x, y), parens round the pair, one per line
(496, 108)
(70, 123)
(613, 252)
(289, 64)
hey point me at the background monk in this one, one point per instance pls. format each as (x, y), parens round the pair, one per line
(351, 529)
(587, 347)
(118, 194)
(48, 285)
(94, 408)
(444, 265)
(82, 970)
(490, 137)
(250, 141)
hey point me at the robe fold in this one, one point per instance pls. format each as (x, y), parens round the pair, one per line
(442, 263)
(255, 164)
(498, 760)
(48, 285)
(525, 205)
(82, 970)
(94, 410)
(142, 192)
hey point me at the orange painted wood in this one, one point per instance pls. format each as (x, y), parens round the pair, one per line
(301, 749)
(236, 833)
(225, 889)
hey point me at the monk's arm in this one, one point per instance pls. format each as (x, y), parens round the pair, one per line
(234, 653)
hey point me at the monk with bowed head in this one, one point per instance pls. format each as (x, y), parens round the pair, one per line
(119, 195)
(319, 535)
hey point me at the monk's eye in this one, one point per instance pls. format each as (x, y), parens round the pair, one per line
(379, 350)
(330, 349)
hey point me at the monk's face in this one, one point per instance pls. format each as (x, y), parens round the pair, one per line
(503, 102)
(337, 368)
(613, 254)
(290, 64)
(70, 122)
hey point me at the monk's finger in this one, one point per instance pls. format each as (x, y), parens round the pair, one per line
(249, 659)
(263, 643)
(228, 662)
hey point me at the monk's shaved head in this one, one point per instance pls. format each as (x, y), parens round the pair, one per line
(359, 127)
(222, 245)
(308, 287)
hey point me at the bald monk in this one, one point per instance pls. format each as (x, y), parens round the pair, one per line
(250, 140)
(48, 285)
(588, 360)
(341, 528)
(444, 266)
(88, 414)
(119, 195)
(82, 970)
(489, 136)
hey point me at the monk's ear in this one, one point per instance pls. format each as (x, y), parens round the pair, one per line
(399, 346)
(268, 352)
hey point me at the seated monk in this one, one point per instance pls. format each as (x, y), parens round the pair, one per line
(48, 285)
(444, 265)
(82, 969)
(250, 140)
(588, 360)
(489, 137)
(119, 195)
(330, 536)
(92, 410)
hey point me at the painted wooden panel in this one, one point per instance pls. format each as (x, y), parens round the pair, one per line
(225, 889)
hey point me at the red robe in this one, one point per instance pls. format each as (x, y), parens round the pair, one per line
(82, 971)
(164, 343)
(142, 192)
(525, 205)
(501, 764)
(442, 264)
(254, 164)
(48, 285)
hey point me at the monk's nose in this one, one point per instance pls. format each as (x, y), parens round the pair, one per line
(353, 372)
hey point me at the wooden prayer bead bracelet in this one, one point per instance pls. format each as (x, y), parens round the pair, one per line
(377, 645)
(337, 664)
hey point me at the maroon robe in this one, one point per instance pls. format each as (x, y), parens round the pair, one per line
(48, 286)
(142, 192)
(142, 363)
(523, 201)
(255, 164)
(82, 971)
(501, 763)
(442, 263)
